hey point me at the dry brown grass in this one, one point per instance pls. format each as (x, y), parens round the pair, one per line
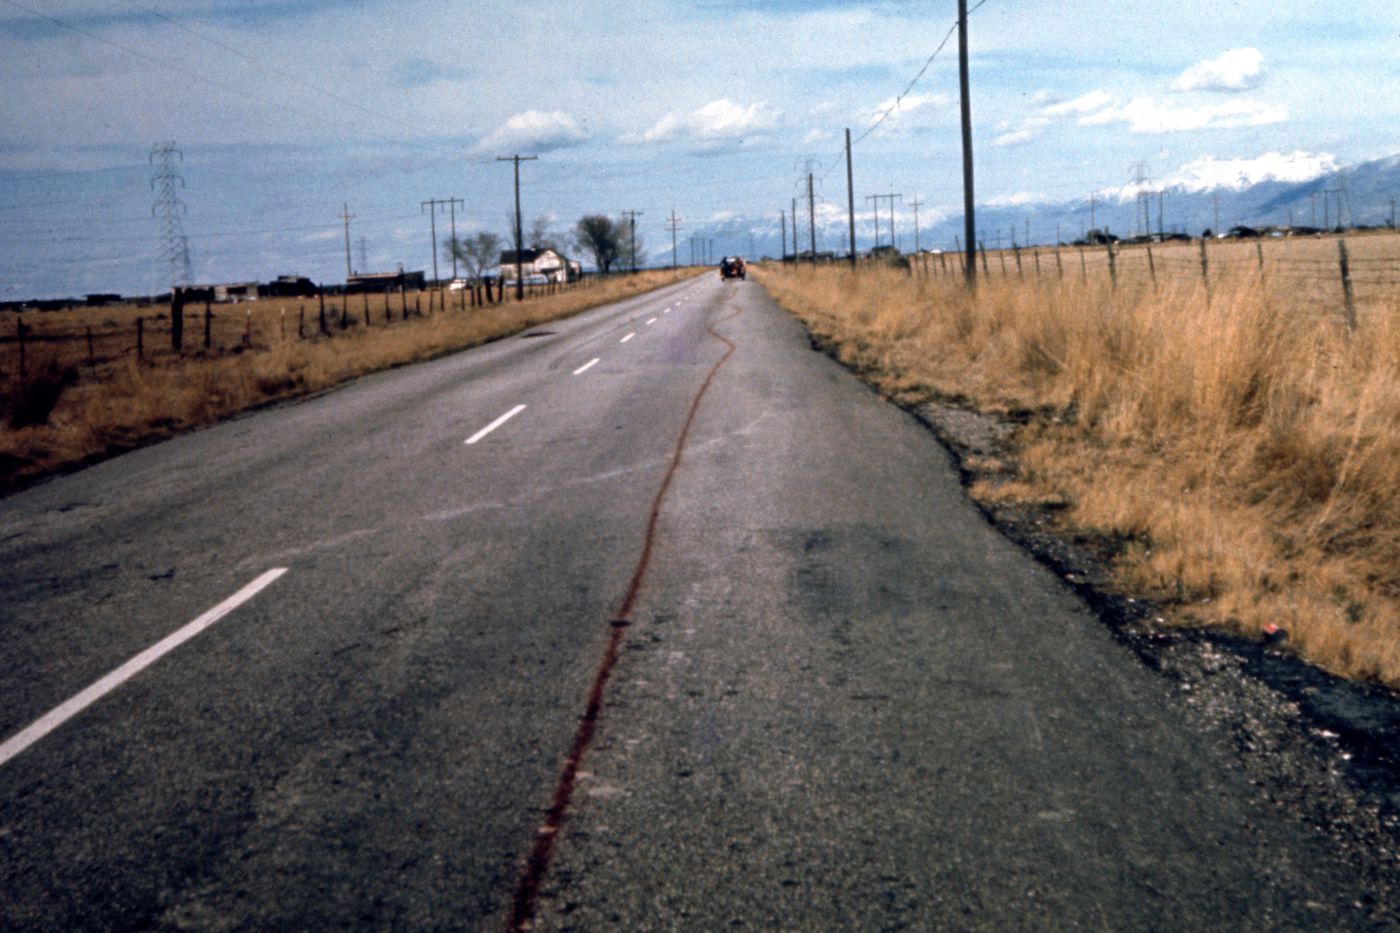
(1244, 451)
(121, 402)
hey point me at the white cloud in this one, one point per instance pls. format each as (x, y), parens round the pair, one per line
(1023, 135)
(1235, 70)
(1145, 115)
(717, 122)
(1020, 199)
(1085, 104)
(898, 112)
(1210, 172)
(536, 131)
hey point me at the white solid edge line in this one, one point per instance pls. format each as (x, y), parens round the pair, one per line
(628, 337)
(71, 707)
(587, 366)
(495, 424)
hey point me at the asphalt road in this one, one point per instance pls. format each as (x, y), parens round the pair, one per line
(839, 699)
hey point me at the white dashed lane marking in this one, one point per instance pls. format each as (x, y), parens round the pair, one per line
(495, 424)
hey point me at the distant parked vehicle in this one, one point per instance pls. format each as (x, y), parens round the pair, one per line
(536, 278)
(457, 285)
(732, 267)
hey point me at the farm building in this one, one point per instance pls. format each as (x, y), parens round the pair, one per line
(384, 281)
(235, 292)
(546, 262)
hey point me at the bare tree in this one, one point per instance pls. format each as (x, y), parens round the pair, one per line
(479, 253)
(541, 237)
(598, 236)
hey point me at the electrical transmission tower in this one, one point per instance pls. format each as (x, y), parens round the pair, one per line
(174, 245)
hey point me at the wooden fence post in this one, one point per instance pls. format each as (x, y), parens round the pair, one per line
(92, 356)
(141, 339)
(177, 319)
(23, 358)
(248, 327)
(1206, 272)
(301, 322)
(1020, 273)
(1083, 266)
(1059, 265)
(1152, 268)
(982, 248)
(366, 294)
(1347, 292)
(1037, 263)
(1112, 265)
(208, 325)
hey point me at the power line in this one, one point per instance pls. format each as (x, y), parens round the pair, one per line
(171, 65)
(915, 80)
(269, 66)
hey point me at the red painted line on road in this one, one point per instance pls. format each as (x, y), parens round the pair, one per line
(526, 892)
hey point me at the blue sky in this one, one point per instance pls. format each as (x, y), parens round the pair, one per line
(286, 110)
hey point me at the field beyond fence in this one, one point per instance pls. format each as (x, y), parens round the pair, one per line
(80, 384)
(1331, 274)
(1230, 446)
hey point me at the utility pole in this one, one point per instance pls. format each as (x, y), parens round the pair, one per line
(876, 199)
(916, 204)
(796, 250)
(1093, 223)
(892, 196)
(851, 198)
(964, 87)
(632, 234)
(812, 217)
(432, 205)
(519, 261)
(675, 224)
(346, 217)
(452, 213)
(782, 257)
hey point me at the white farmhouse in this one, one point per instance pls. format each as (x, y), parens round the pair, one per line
(549, 263)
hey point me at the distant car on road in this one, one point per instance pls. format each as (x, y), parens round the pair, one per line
(732, 267)
(457, 285)
(536, 278)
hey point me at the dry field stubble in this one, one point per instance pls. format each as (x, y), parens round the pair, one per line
(122, 402)
(1240, 456)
